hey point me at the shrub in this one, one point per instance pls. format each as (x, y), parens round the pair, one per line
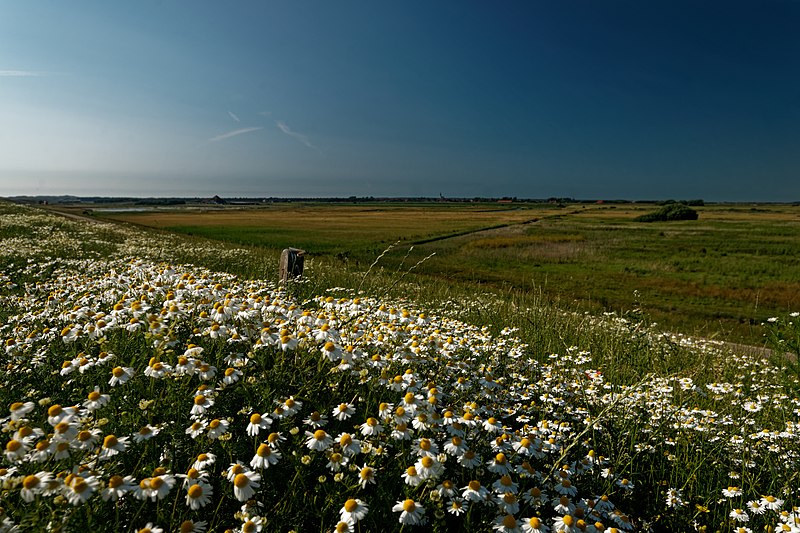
(670, 212)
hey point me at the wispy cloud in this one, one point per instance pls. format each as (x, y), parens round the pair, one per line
(20, 74)
(233, 133)
(233, 116)
(299, 136)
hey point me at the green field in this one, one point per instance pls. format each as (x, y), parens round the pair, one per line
(719, 276)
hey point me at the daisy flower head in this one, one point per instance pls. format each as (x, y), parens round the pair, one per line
(508, 503)
(275, 438)
(120, 375)
(19, 410)
(455, 446)
(385, 410)
(146, 432)
(739, 515)
(34, 484)
(412, 477)
(201, 404)
(624, 483)
(196, 428)
(315, 420)
(343, 527)
(318, 441)
(566, 487)
(257, 423)
(534, 525)
(112, 445)
(565, 524)
(429, 467)
(95, 400)
(343, 411)
(756, 507)
(252, 524)
(505, 484)
(506, 524)
(353, 510)
(79, 489)
(365, 476)
(469, 459)
(16, 450)
(732, 492)
(245, 485)
(499, 464)
(456, 507)
(771, 502)
(217, 428)
(198, 495)
(411, 512)
(204, 460)
(150, 528)
(117, 487)
(474, 492)
(265, 456)
(336, 461)
(192, 526)
(371, 427)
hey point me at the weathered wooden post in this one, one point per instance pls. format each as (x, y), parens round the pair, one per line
(291, 265)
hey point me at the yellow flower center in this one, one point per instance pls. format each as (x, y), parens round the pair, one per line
(110, 441)
(115, 481)
(13, 445)
(509, 521)
(475, 485)
(350, 505)
(411, 471)
(427, 462)
(30, 482)
(241, 480)
(320, 434)
(409, 506)
(500, 458)
(568, 520)
(264, 451)
(535, 523)
(255, 419)
(118, 372)
(80, 486)
(425, 444)
(195, 491)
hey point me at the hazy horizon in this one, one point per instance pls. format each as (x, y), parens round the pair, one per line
(607, 100)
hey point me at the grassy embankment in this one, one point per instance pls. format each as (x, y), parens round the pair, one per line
(658, 427)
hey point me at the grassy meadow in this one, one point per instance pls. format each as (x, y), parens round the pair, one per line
(161, 382)
(717, 277)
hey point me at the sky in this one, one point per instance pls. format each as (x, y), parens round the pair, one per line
(594, 99)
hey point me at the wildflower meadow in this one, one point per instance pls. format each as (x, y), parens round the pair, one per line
(145, 391)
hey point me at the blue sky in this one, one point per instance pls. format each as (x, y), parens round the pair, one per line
(589, 99)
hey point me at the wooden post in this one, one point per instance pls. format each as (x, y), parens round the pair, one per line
(291, 265)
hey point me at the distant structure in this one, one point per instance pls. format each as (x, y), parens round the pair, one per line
(217, 201)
